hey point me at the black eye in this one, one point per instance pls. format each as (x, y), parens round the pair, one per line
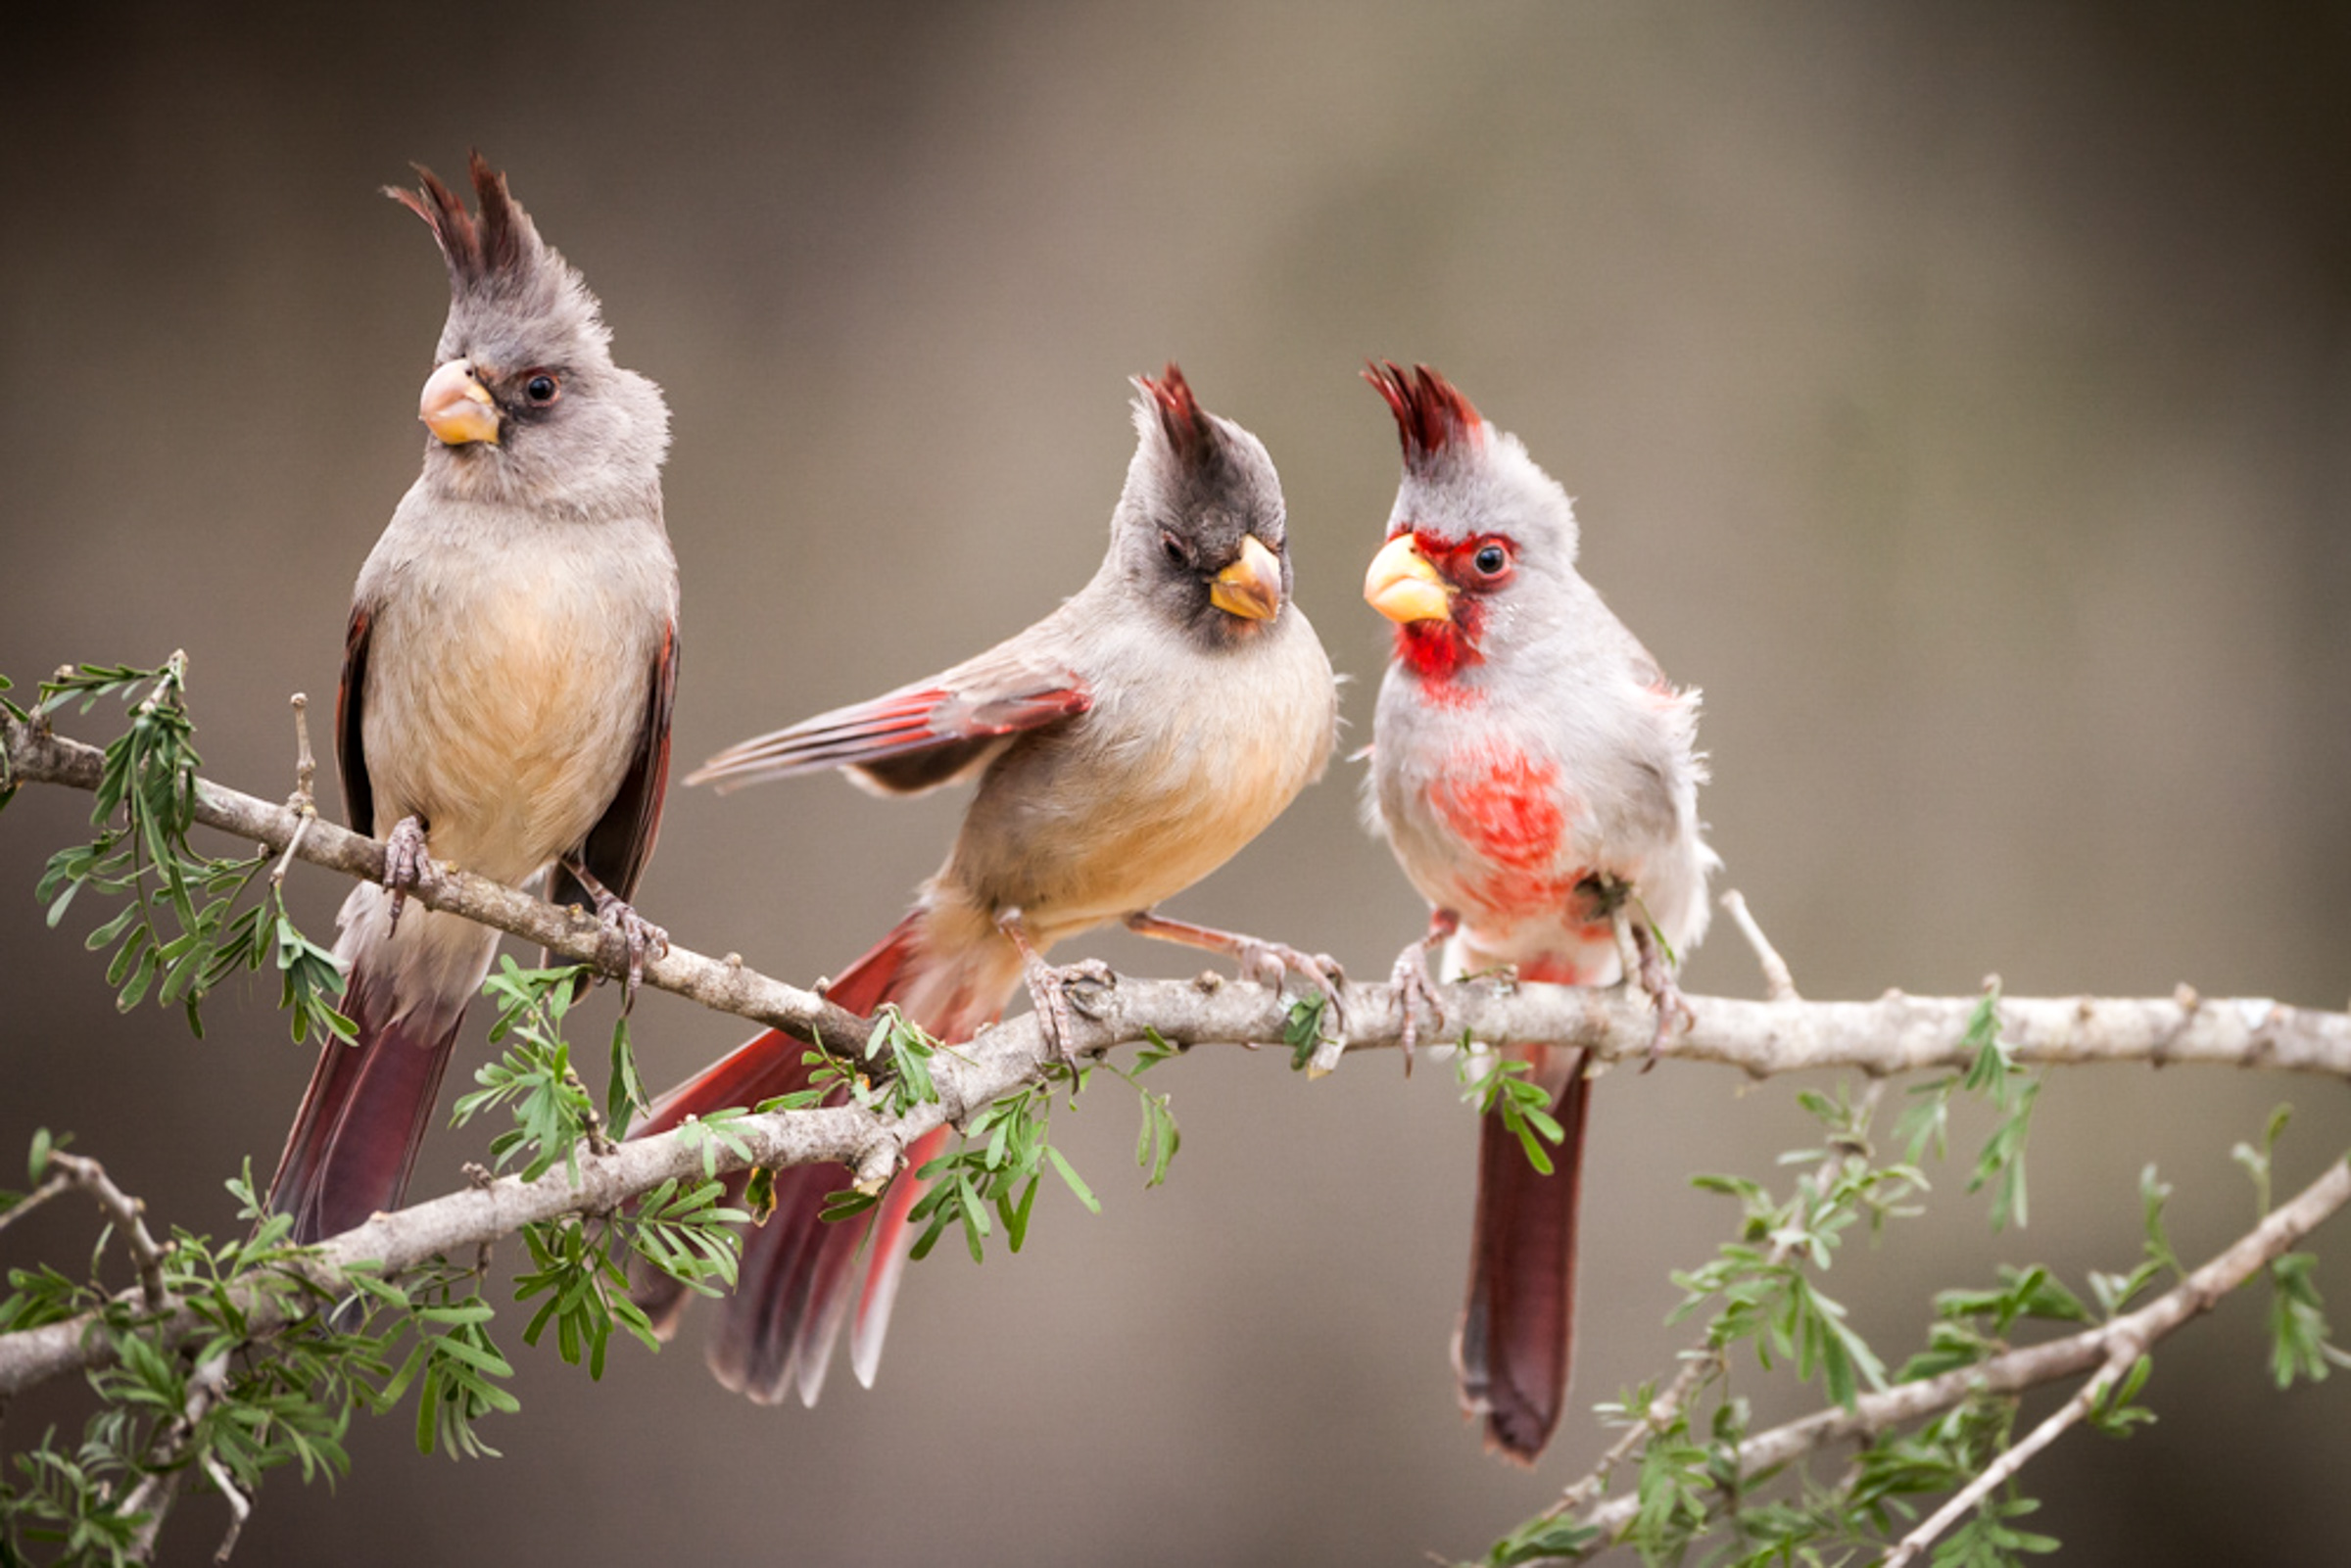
(1177, 553)
(1491, 559)
(542, 389)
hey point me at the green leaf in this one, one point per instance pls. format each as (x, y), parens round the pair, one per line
(1062, 1167)
(1301, 1030)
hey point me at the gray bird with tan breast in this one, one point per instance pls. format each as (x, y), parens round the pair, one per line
(1125, 746)
(508, 680)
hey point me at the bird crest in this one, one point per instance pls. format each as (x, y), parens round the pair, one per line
(500, 271)
(500, 244)
(1186, 426)
(1432, 418)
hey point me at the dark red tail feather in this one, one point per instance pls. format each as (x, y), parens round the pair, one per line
(1511, 1350)
(356, 1138)
(799, 1275)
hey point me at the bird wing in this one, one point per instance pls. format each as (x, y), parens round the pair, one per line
(351, 754)
(618, 848)
(920, 735)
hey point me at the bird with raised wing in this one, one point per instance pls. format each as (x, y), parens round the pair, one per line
(1124, 748)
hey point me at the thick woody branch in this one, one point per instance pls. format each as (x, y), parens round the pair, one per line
(462, 1221)
(1896, 1033)
(2117, 1343)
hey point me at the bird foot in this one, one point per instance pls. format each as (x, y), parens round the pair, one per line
(1054, 992)
(640, 939)
(1414, 994)
(405, 860)
(1664, 994)
(632, 939)
(1267, 962)
(629, 937)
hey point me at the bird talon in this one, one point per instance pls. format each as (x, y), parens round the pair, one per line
(1055, 992)
(405, 860)
(1664, 994)
(1268, 963)
(641, 942)
(1414, 993)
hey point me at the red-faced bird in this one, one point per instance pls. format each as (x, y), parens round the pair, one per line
(1534, 772)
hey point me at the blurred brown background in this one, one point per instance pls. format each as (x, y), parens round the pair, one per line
(1961, 395)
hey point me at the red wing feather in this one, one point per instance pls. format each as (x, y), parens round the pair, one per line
(938, 728)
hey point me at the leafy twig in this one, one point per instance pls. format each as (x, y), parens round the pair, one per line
(2017, 1370)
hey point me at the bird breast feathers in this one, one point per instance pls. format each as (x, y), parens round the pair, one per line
(503, 703)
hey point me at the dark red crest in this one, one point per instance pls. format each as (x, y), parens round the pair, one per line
(1431, 416)
(500, 243)
(1188, 426)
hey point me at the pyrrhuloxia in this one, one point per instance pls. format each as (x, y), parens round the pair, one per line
(1124, 747)
(1534, 771)
(507, 681)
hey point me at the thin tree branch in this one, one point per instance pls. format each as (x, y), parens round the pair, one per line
(122, 1210)
(2021, 1370)
(39, 756)
(2017, 1455)
(1701, 1359)
(871, 1143)
(1779, 986)
(154, 1495)
(300, 802)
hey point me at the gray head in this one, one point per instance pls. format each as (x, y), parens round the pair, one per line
(1200, 530)
(526, 405)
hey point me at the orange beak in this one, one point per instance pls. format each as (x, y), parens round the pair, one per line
(1251, 587)
(457, 408)
(1403, 586)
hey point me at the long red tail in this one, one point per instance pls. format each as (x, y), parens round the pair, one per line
(799, 1275)
(1511, 1350)
(363, 1120)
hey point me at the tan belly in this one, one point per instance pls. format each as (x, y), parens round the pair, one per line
(508, 742)
(1084, 827)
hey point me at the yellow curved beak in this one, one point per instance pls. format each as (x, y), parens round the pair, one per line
(1403, 586)
(457, 408)
(1251, 587)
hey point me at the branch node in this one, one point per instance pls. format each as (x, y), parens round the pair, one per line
(305, 764)
(881, 1161)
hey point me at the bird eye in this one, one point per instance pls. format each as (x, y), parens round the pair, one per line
(1491, 559)
(1177, 553)
(542, 389)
